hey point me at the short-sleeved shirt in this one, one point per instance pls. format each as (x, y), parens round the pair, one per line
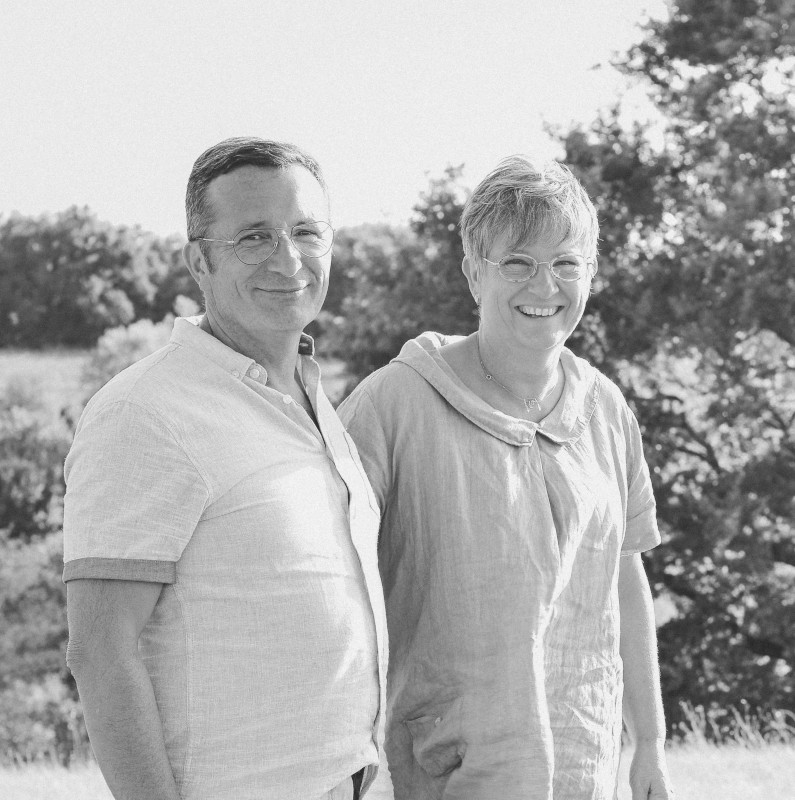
(267, 646)
(499, 553)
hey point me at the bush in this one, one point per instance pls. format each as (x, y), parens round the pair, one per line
(32, 450)
(41, 721)
(118, 348)
(33, 609)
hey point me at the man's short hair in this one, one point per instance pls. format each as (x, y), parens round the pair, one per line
(231, 154)
(530, 201)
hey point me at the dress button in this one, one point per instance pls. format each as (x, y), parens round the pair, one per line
(235, 373)
(254, 373)
(286, 399)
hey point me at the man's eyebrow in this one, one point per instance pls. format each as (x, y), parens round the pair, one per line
(264, 224)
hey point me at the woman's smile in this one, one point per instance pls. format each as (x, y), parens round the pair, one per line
(538, 311)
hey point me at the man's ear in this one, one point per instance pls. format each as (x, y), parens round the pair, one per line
(472, 272)
(195, 262)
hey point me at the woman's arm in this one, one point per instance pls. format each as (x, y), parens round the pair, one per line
(643, 710)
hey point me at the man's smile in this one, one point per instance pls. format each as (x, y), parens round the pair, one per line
(284, 289)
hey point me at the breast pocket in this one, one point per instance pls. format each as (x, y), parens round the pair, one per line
(437, 741)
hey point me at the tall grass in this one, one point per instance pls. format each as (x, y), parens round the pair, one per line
(736, 726)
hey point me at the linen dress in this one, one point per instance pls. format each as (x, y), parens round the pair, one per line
(499, 551)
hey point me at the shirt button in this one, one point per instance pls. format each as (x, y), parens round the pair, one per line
(235, 373)
(286, 399)
(437, 721)
(254, 373)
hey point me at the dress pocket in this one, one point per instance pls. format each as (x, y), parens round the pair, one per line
(437, 742)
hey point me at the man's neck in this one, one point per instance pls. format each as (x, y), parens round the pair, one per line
(278, 353)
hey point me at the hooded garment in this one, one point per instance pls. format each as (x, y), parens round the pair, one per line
(499, 552)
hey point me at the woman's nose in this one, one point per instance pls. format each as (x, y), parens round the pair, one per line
(543, 283)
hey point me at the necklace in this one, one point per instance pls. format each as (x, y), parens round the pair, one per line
(529, 402)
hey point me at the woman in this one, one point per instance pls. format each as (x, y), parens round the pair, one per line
(515, 504)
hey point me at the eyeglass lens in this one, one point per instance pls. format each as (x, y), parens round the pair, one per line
(568, 267)
(311, 239)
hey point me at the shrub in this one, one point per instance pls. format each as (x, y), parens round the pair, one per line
(32, 450)
(41, 721)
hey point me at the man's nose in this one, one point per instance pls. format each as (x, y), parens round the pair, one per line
(285, 259)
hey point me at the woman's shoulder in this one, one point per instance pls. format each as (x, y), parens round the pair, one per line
(609, 394)
(410, 369)
(394, 383)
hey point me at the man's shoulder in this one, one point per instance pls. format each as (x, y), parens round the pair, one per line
(145, 382)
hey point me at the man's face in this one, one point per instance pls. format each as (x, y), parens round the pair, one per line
(283, 294)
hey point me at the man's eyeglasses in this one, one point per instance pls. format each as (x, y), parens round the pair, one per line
(517, 267)
(252, 247)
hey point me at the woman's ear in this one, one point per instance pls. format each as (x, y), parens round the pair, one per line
(472, 272)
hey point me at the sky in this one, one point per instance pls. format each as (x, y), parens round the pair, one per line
(107, 105)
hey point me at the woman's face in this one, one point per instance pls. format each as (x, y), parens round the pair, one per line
(538, 314)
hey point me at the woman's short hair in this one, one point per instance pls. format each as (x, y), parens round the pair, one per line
(231, 154)
(530, 201)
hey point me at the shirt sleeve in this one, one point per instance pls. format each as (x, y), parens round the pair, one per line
(133, 497)
(361, 419)
(641, 530)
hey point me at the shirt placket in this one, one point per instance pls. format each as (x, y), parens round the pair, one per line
(362, 522)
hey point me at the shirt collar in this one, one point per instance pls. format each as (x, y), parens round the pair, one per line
(187, 332)
(564, 424)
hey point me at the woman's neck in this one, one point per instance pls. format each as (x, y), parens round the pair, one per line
(528, 374)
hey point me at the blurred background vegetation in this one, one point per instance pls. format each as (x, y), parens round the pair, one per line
(693, 315)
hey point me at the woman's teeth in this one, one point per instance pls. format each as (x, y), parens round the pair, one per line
(530, 311)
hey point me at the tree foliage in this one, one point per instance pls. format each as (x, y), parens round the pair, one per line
(695, 319)
(68, 277)
(402, 281)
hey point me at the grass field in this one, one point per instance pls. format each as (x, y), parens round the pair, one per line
(698, 773)
(54, 375)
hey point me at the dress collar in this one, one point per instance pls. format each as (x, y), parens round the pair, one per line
(564, 424)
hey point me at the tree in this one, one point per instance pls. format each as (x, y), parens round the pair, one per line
(402, 281)
(68, 277)
(695, 320)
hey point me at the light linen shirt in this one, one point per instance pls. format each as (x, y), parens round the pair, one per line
(267, 647)
(499, 551)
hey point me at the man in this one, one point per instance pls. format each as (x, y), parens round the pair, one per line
(225, 613)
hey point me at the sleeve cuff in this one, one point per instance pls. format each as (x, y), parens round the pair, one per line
(121, 569)
(642, 533)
